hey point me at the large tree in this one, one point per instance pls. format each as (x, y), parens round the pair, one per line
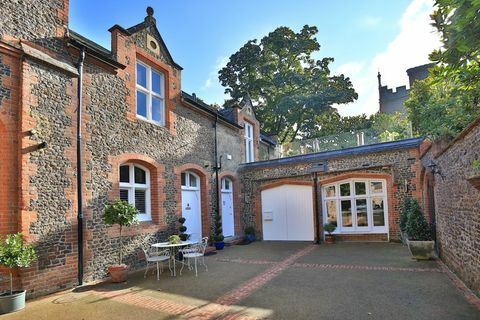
(290, 89)
(449, 99)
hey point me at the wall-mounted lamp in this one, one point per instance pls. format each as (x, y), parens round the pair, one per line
(434, 168)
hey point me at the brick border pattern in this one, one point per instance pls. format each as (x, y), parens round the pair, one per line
(260, 280)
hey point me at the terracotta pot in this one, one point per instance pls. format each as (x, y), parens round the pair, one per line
(329, 238)
(118, 272)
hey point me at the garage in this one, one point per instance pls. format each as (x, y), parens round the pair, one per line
(287, 213)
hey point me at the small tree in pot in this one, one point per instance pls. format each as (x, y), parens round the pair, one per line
(14, 254)
(329, 228)
(183, 236)
(218, 236)
(419, 233)
(124, 214)
(249, 234)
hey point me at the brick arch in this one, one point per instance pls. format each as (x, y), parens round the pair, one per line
(237, 218)
(157, 181)
(427, 182)
(204, 176)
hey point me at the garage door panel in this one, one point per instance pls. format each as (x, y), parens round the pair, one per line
(287, 213)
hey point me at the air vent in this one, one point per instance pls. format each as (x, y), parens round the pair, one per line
(152, 44)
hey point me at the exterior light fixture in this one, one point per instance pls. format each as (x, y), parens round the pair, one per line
(433, 166)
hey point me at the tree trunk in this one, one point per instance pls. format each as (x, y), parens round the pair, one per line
(11, 283)
(121, 245)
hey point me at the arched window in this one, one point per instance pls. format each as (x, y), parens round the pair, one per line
(190, 181)
(226, 185)
(135, 188)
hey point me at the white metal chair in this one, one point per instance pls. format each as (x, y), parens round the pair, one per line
(195, 252)
(157, 258)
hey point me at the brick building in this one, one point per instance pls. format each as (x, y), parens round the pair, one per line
(146, 141)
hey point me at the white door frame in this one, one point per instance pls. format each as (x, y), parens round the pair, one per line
(189, 186)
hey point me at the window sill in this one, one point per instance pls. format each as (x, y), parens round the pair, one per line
(158, 124)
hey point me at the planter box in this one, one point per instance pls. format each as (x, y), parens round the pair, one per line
(119, 273)
(421, 250)
(11, 303)
(475, 181)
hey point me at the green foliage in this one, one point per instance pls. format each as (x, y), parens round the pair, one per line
(290, 89)
(476, 165)
(417, 227)
(15, 254)
(448, 100)
(407, 205)
(174, 239)
(218, 232)
(183, 236)
(329, 227)
(249, 230)
(121, 213)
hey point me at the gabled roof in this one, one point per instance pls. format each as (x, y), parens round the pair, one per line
(149, 21)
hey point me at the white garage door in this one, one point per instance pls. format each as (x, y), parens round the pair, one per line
(287, 213)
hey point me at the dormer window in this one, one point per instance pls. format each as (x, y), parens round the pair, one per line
(249, 151)
(150, 94)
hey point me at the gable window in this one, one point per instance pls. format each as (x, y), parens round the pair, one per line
(249, 152)
(150, 94)
(135, 189)
(357, 205)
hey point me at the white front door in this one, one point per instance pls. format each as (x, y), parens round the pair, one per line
(228, 223)
(191, 208)
(287, 213)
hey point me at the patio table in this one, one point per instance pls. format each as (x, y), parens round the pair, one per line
(173, 247)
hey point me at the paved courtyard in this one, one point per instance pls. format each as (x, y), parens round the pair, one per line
(277, 280)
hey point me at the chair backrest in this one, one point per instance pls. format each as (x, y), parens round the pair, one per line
(203, 245)
(147, 254)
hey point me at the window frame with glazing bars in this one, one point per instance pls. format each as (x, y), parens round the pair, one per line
(131, 187)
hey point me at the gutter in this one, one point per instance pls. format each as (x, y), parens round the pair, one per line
(81, 59)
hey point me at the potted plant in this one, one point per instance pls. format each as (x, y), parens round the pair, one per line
(329, 228)
(14, 254)
(249, 234)
(218, 235)
(183, 236)
(419, 233)
(124, 214)
(404, 218)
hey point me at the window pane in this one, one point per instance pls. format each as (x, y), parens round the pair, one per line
(140, 201)
(378, 212)
(141, 75)
(184, 179)
(345, 189)
(330, 191)
(346, 206)
(360, 188)
(125, 174)
(157, 83)
(226, 184)
(331, 211)
(140, 176)
(362, 215)
(141, 104)
(376, 187)
(124, 194)
(157, 109)
(193, 181)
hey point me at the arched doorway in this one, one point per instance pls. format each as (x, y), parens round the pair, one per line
(228, 221)
(191, 204)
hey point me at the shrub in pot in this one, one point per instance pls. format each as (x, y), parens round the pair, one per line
(329, 237)
(124, 214)
(218, 235)
(419, 233)
(409, 202)
(14, 254)
(249, 234)
(183, 236)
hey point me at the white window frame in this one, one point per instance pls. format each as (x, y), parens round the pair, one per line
(230, 189)
(352, 197)
(132, 186)
(249, 149)
(151, 94)
(187, 181)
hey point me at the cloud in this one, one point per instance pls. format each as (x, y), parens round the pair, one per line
(410, 48)
(351, 68)
(212, 79)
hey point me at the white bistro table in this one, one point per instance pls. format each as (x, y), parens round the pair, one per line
(173, 247)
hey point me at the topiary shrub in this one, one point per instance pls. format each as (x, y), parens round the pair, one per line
(329, 227)
(183, 236)
(417, 226)
(404, 215)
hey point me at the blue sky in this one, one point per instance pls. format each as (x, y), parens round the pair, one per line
(363, 36)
